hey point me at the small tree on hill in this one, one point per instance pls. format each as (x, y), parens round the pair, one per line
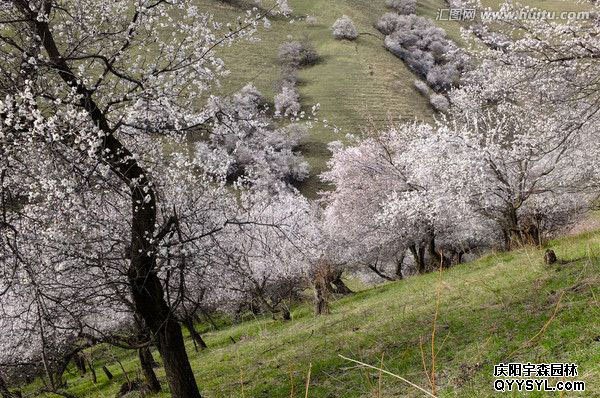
(344, 29)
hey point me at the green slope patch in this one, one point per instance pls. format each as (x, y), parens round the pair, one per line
(359, 85)
(506, 307)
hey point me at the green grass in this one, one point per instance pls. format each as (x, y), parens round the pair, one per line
(489, 311)
(359, 85)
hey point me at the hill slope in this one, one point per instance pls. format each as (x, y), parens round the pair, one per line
(503, 307)
(358, 84)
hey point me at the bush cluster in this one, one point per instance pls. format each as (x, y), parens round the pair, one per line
(344, 29)
(404, 7)
(422, 87)
(292, 55)
(439, 102)
(311, 20)
(287, 102)
(296, 54)
(425, 48)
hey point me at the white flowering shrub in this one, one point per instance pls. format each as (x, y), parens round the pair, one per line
(421, 87)
(295, 54)
(287, 102)
(249, 144)
(389, 23)
(425, 48)
(344, 29)
(404, 7)
(311, 20)
(439, 102)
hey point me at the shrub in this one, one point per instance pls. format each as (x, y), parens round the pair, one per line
(344, 28)
(284, 7)
(296, 54)
(443, 77)
(311, 20)
(248, 97)
(289, 77)
(456, 3)
(424, 48)
(405, 7)
(389, 23)
(422, 87)
(287, 102)
(439, 102)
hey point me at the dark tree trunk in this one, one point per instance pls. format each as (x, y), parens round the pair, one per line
(149, 299)
(418, 253)
(321, 296)
(177, 366)
(93, 372)
(286, 315)
(321, 304)
(531, 235)
(459, 257)
(109, 375)
(79, 361)
(196, 337)
(399, 266)
(506, 238)
(5, 392)
(147, 292)
(339, 285)
(147, 363)
(437, 259)
(511, 232)
(378, 272)
(59, 371)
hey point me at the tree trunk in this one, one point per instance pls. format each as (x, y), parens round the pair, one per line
(147, 292)
(93, 372)
(321, 304)
(149, 299)
(79, 361)
(512, 234)
(196, 337)
(437, 259)
(286, 315)
(321, 295)
(339, 285)
(5, 392)
(399, 265)
(531, 235)
(418, 253)
(109, 375)
(459, 257)
(379, 273)
(147, 362)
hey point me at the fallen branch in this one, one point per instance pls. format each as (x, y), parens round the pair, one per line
(389, 373)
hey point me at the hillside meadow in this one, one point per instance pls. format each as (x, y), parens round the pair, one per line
(503, 307)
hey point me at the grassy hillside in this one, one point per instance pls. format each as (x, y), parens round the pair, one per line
(503, 307)
(359, 84)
